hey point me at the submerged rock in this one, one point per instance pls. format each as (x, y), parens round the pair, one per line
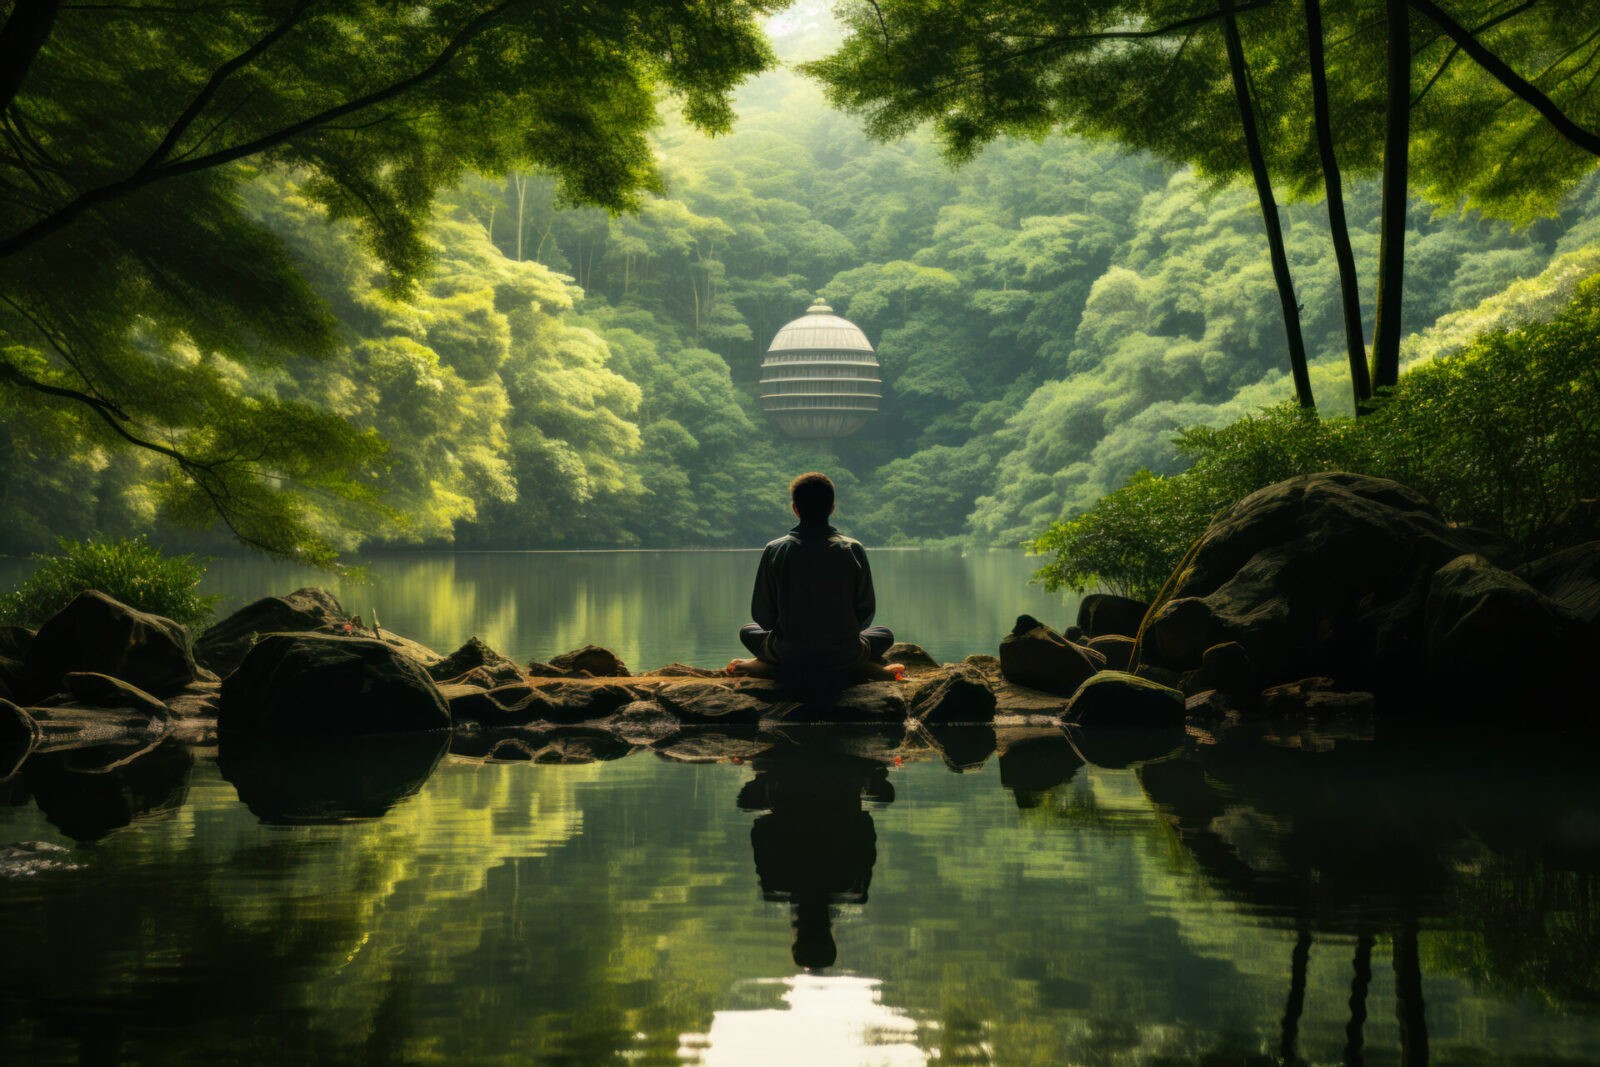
(96, 633)
(1034, 655)
(312, 684)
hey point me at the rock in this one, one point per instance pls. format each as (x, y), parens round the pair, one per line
(1210, 704)
(104, 691)
(489, 677)
(912, 657)
(1034, 655)
(708, 702)
(1036, 765)
(1020, 700)
(1104, 613)
(598, 662)
(1119, 699)
(1227, 667)
(520, 704)
(1159, 675)
(1312, 696)
(474, 655)
(875, 702)
(712, 746)
(314, 684)
(568, 745)
(1483, 623)
(14, 641)
(684, 670)
(1119, 747)
(641, 722)
(284, 781)
(1319, 574)
(310, 610)
(951, 695)
(1570, 577)
(96, 633)
(1075, 634)
(19, 735)
(88, 795)
(540, 669)
(198, 700)
(1116, 648)
(985, 664)
(963, 748)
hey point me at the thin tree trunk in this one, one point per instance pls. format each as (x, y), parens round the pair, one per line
(1349, 290)
(1299, 962)
(1359, 982)
(1269, 209)
(521, 183)
(1408, 1005)
(1392, 239)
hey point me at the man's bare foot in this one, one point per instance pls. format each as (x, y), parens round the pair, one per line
(884, 672)
(755, 668)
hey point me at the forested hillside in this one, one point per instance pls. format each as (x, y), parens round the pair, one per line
(1047, 316)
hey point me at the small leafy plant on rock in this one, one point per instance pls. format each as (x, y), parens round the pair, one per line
(130, 570)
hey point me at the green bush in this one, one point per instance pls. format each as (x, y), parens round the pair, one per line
(130, 570)
(1504, 434)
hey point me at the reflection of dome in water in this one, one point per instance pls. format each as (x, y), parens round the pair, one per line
(820, 377)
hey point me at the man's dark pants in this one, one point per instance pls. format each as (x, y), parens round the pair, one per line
(877, 638)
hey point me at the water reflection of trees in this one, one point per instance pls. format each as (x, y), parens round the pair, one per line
(1368, 842)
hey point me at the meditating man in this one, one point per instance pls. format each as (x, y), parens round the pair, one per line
(813, 601)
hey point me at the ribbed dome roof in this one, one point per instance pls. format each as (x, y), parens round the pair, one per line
(820, 376)
(820, 330)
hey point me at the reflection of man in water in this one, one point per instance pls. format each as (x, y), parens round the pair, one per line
(813, 601)
(816, 848)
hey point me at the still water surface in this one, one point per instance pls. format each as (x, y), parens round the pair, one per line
(1230, 902)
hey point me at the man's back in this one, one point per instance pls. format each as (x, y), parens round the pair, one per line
(814, 593)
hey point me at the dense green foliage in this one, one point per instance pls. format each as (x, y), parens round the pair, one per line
(1503, 434)
(1048, 316)
(146, 305)
(131, 570)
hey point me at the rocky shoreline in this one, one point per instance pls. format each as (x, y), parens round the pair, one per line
(1326, 599)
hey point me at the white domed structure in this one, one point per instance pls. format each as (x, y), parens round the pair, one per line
(820, 376)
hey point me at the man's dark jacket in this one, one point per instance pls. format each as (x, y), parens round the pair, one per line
(814, 592)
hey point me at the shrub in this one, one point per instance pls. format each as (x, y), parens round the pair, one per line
(1503, 434)
(130, 570)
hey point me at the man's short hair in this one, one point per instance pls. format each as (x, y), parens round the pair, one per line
(812, 495)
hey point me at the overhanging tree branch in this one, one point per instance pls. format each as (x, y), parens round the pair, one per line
(1502, 72)
(113, 191)
(209, 90)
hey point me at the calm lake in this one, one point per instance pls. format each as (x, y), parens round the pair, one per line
(811, 896)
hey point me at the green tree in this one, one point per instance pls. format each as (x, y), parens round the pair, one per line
(135, 280)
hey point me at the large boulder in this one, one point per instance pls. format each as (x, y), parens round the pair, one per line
(953, 694)
(478, 658)
(96, 633)
(1106, 613)
(914, 658)
(1036, 656)
(310, 610)
(1119, 699)
(1321, 574)
(311, 684)
(1492, 636)
(1571, 578)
